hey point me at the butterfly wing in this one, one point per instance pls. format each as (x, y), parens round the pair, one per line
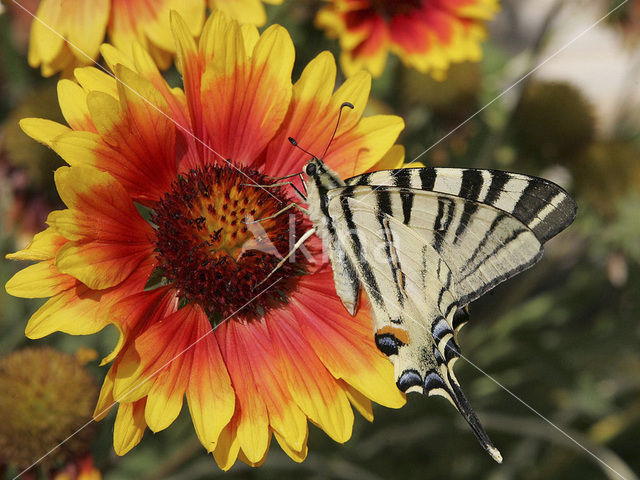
(488, 224)
(344, 275)
(413, 299)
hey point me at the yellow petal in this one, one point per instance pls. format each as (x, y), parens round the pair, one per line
(275, 47)
(164, 402)
(254, 463)
(364, 145)
(86, 26)
(44, 131)
(47, 30)
(77, 148)
(392, 160)
(73, 103)
(118, 347)
(227, 449)
(38, 281)
(210, 396)
(186, 47)
(105, 112)
(374, 63)
(193, 14)
(159, 32)
(105, 399)
(245, 11)
(67, 313)
(144, 62)
(130, 384)
(296, 455)
(317, 81)
(94, 79)
(129, 426)
(354, 90)
(250, 35)
(114, 57)
(358, 400)
(43, 246)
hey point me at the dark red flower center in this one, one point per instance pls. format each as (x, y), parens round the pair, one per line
(216, 245)
(391, 8)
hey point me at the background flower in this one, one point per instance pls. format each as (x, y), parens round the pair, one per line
(426, 35)
(84, 24)
(45, 396)
(245, 11)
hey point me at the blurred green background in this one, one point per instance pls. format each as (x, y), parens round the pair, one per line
(563, 337)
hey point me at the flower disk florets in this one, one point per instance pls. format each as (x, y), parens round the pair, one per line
(216, 243)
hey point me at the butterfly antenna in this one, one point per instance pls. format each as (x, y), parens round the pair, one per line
(295, 144)
(335, 130)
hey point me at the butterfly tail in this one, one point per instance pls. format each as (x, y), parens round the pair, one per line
(464, 407)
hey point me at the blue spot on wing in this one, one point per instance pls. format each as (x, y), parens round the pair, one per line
(408, 379)
(388, 343)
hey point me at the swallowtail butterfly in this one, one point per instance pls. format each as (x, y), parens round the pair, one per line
(424, 243)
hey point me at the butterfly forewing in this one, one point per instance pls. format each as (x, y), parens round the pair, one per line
(541, 205)
(481, 245)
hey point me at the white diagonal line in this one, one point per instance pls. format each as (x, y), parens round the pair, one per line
(541, 416)
(523, 402)
(145, 380)
(421, 325)
(151, 104)
(508, 89)
(522, 79)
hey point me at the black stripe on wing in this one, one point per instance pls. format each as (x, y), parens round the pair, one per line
(403, 180)
(368, 275)
(470, 188)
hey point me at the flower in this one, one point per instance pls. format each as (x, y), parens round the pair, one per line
(251, 12)
(155, 239)
(427, 35)
(68, 33)
(82, 469)
(45, 396)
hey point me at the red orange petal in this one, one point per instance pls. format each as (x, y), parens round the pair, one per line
(344, 343)
(251, 411)
(110, 238)
(265, 81)
(210, 396)
(310, 384)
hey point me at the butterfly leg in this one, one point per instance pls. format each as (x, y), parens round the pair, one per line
(291, 175)
(279, 184)
(282, 210)
(297, 245)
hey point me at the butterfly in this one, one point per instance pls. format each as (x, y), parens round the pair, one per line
(423, 243)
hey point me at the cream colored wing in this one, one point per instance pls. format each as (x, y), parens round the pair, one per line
(413, 299)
